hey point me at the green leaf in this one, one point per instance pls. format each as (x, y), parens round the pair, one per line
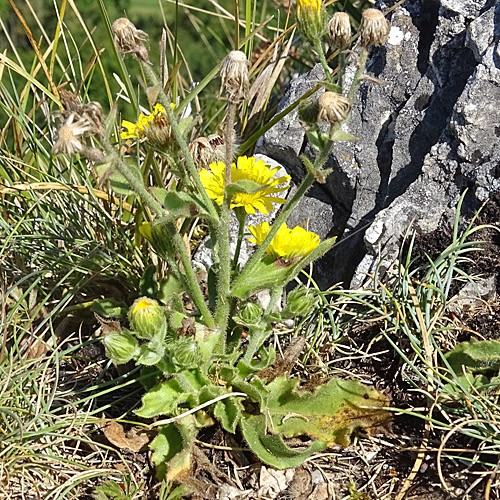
(169, 288)
(118, 183)
(316, 138)
(148, 356)
(266, 358)
(331, 87)
(340, 135)
(179, 205)
(268, 273)
(243, 186)
(270, 448)
(172, 449)
(109, 308)
(477, 356)
(331, 413)
(228, 413)
(148, 285)
(162, 400)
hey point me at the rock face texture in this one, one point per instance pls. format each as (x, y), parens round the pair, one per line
(429, 130)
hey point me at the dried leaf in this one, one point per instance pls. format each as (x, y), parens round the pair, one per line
(134, 439)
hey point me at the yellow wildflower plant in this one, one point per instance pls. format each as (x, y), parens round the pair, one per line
(156, 119)
(288, 243)
(245, 168)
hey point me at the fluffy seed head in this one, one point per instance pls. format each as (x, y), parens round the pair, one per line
(234, 75)
(333, 107)
(129, 40)
(70, 135)
(339, 29)
(374, 28)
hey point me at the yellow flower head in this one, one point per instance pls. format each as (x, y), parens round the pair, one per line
(154, 126)
(308, 5)
(144, 305)
(288, 243)
(245, 168)
(311, 19)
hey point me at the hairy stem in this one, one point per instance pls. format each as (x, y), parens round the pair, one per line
(359, 73)
(321, 53)
(224, 278)
(191, 167)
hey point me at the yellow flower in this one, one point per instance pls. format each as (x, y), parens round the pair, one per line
(311, 19)
(141, 128)
(249, 169)
(144, 304)
(288, 243)
(309, 5)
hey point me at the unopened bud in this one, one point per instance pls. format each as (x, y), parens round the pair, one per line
(121, 347)
(234, 75)
(309, 111)
(333, 108)
(250, 314)
(146, 318)
(300, 302)
(129, 40)
(374, 28)
(186, 353)
(339, 29)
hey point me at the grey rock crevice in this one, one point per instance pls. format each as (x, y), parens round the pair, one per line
(427, 132)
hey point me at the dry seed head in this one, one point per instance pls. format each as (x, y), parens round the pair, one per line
(207, 150)
(374, 28)
(234, 75)
(339, 28)
(93, 115)
(333, 108)
(69, 137)
(70, 102)
(129, 40)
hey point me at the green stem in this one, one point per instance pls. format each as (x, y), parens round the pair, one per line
(241, 217)
(191, 167)
(321, 53)
(275, 294)
(287, 209)
(341, 70)
(135, 183)
(224, 277)
(359, 73)
(189, 276)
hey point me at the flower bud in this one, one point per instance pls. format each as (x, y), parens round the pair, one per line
(129, 40)
(250, 314)
(234, 75)
(311, 19)
(147, 318)
(333, 108)
(374, 28)
(121, 347)
(309, 111)
(339, 29)
(186, 353)
(300, 302)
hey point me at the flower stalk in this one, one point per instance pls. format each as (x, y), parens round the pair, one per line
(191, 167)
